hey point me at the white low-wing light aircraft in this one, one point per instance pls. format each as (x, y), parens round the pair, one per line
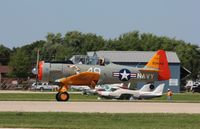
(86, 90)
(144, 93)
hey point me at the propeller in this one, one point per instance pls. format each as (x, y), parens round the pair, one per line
(35, 70)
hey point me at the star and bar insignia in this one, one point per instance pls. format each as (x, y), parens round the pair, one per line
(124, 75)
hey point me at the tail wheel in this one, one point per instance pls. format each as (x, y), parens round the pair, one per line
(62, 96)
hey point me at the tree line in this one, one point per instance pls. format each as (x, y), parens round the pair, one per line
(62, 47)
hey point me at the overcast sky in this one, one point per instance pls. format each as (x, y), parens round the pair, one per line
(25, 21)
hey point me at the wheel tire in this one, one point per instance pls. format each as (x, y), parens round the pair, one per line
(128, 97)
(131, 98)
(57, 96)
(193, 91)
(41, 89)
(62, 96)
(84, 92)
(125, 96)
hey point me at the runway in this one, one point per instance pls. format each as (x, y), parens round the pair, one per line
(101, 107)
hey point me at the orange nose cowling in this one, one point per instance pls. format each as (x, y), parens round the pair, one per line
(40, 67)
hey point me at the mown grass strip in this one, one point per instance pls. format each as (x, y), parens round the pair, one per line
(180, 97)
(193, 97)
(41, 97)
(98, 120)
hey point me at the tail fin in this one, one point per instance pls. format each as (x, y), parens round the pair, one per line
(159, 89)
(159, 62)
(145, 88)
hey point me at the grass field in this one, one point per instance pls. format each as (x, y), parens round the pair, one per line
(42, 97)
(180, 97)
(99, 120)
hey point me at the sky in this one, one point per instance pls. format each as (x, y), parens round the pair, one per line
(25, 21)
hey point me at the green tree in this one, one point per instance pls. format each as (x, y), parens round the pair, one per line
(51, 46)
(129, 41)
(58, 47)
(31, 50)
(74, 40)
(4, 55)
(92, 42)
(20, 64)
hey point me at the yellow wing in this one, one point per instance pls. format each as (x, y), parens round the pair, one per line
(84, 78)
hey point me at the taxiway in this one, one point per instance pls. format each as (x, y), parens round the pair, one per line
(101, 107)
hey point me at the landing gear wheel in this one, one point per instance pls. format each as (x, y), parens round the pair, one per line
(62, 96)
(41, 89)
(57, 96)
(131, 98)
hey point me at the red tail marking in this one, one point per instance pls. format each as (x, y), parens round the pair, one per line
(164, 71)
(159, 62)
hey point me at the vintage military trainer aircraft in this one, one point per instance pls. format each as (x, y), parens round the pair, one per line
(91, 75)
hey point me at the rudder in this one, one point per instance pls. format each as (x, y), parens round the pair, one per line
(159, 62)
(159, 89)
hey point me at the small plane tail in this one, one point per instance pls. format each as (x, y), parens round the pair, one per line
(145, 88)
(159, 63)
(159, 89)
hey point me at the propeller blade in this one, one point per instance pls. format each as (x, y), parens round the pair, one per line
(35, 70)
(38, 58)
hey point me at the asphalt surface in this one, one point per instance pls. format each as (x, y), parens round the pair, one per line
(101, 107)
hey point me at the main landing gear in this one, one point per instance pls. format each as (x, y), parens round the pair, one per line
(62, 94)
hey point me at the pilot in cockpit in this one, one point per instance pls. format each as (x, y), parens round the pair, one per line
(101, 61)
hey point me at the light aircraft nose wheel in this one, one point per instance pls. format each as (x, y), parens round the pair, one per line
(62, 96)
